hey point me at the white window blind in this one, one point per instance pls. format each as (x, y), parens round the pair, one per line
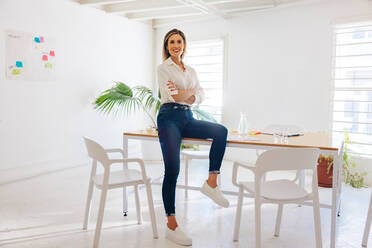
(207, 58)
(352, 95)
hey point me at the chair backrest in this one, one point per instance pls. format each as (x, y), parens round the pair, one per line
(96, 151)
(287, 159)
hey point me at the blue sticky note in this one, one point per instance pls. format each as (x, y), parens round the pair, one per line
(19, 64)
(37, 40)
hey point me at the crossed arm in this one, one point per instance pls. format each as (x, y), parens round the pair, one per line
(187, 96)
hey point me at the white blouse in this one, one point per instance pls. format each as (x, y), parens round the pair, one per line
(184, 80)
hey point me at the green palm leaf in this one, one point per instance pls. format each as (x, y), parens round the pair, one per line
(119, 97)
(122, 97)
(146, 96)
(158, 104)
(203, 115)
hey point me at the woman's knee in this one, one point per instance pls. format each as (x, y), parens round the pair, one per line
(221, 132)
(224, 131)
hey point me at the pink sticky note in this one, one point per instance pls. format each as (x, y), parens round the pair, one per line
(45, 58)
(41, 38)
(51, 53)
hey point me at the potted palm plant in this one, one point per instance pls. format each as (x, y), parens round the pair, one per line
(129, 100)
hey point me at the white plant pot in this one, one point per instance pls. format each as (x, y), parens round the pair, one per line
(151, 150)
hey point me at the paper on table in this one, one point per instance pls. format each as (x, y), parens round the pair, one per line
(245, 138)
(288, 135)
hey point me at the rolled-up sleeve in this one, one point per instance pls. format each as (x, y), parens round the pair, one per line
(162, 82)
(199, 95)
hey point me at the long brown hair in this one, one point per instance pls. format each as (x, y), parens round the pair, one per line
(166, 53)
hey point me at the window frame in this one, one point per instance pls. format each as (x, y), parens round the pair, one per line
(224, 87)
(348, 24)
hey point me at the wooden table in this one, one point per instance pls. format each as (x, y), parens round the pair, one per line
(327, 143)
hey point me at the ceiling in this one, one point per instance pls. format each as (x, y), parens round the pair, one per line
(163, 12)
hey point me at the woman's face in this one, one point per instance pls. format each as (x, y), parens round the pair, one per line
(175, 45)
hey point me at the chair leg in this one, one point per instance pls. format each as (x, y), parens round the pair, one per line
(316, 208)
(257, 208)
(90, 193)
(151, 208)
(100, 217)
(301, 180)
(87, 206)
(368, 224)
(138, 206)
(278, 220)
(186, 177)
(238, 214)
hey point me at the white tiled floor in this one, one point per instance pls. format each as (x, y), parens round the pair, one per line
(45, 210)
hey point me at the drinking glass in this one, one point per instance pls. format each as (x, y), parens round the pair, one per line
(284, 134)
(277, 135)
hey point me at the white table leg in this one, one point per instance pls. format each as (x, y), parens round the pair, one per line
(336, 191)
(125, 167)
(368, 224)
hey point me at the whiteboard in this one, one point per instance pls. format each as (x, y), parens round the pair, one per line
(29, 56)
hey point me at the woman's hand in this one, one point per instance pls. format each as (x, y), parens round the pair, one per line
(172, 87)
(190, 100)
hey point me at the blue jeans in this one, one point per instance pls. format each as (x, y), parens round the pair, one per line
(176, 121)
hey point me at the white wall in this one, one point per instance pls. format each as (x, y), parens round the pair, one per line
(279, 62)
(45, 121)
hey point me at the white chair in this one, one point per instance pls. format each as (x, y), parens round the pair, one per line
(278, 191)
(300, 175)
(189, 155)
(368, 224)
(117, 179)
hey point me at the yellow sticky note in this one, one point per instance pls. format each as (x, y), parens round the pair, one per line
(48, 65)
(16, 71)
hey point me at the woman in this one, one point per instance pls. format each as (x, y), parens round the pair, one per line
(180, 88)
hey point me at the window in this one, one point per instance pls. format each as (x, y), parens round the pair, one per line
(207, 58)
(352, 79)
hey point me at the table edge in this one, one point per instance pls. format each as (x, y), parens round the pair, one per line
(240, 143)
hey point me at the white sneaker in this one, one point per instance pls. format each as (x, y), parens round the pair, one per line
(178, 236)
(215, 194)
